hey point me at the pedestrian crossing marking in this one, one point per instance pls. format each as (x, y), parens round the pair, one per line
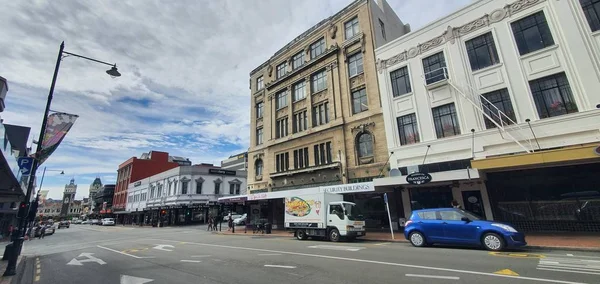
(506, 272)
(570, 264)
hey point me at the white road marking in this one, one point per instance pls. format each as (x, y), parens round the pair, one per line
(163, 247)
(382, 244)
(570, 271)
(569, 254)
(200, 256)
(268, 254)
(433, 276)
(380, 262)
(570, 264)
(280, 266)
(89, 258)
(131, 255)
(193, 261)
(126, 279)
(337, 247)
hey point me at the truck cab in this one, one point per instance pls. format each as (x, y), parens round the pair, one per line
(344, 220)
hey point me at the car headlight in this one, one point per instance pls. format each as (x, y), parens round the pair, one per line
(505, 227)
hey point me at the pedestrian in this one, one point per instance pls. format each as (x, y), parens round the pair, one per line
(42, 232)
(229, 222)
(210, 223)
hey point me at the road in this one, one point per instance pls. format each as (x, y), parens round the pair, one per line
(106, 255)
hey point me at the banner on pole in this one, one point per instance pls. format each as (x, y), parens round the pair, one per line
(57, 127)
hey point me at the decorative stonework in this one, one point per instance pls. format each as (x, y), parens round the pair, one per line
(332, 31)
(362, 127)
(270, 70)
(357, 81)
(451, 33)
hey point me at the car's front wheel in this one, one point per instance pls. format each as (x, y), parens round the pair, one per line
(492, 241)
(417, 239)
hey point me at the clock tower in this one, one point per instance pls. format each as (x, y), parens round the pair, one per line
(68, 197)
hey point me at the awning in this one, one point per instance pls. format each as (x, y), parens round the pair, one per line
(565, 155)
(120, 212)
(233, 199)
(340, 188)
(446, 176)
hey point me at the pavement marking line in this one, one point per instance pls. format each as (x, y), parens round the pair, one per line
(381, 244)
(123, 253)
(381, 262)
(570, 254)
(38, 271)
(433, 276)
(564, 270)
(37, 278)
(200, 256)
(570, 268)
(506, 272)
(517, 255)
(268, 254)
(192, 261)
(280, 266)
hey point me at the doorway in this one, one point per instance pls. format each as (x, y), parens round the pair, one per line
(473, 202)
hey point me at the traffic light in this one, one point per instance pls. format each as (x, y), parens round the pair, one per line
(187, 212)
(163, 212)
(22, 213)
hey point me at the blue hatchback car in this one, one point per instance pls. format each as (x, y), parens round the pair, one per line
(458, 227)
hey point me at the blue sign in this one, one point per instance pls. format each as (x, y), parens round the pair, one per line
(25, 165)
(385, 198)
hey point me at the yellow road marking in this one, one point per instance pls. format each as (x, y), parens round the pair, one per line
(183, 243)
(517, 255)
(382, 244)
(506, 272)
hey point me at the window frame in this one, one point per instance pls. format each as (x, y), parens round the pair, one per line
(217, 188)
(259, 167)
(317, 48)
(594, 24)
(405, 77)
(354, 27)
(488, 44)
(363, 98)
(260, 83)
(298, 58)
(453, 116)
(300, 121)
(320, 114)
(317, 80)
(359, 142)
(281, 70)
(564, 91)
(260, 109)
(259, 136)
(400, 124)
(199, 187)
(295, 90)
(382, 26)
(281, 98)
(522, 47)
(356, 60)
(504, 101)
(184, 187)
(437, 72)
(281, 127)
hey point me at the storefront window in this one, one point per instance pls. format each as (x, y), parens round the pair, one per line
(430, 197)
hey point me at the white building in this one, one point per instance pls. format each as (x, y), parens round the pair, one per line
(184, 194)
(499, 103)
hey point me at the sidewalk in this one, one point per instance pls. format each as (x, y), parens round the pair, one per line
(571, 241)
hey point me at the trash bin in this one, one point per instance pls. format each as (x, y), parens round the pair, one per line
(8, 251)
(268, 228)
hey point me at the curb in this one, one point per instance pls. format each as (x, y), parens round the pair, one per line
(20, 271)
(589, 249)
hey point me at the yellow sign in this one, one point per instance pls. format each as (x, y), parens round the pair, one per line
(506, 272)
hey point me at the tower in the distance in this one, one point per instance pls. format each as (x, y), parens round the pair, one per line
(68, 197)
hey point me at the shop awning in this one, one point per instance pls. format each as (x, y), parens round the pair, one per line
(565, 155)
(233, 199)
(120, 212)
(446, 176)
(340, 188)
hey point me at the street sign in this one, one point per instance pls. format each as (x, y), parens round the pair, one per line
(25, 165)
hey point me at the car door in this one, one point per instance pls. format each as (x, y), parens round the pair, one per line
(455, 230)
(431, 226)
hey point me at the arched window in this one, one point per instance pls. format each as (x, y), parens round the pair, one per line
(258, 166)
(364, 145)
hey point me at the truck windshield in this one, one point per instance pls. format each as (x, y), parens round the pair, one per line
(352, 212)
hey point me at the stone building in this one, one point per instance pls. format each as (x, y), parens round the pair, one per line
(316, 117)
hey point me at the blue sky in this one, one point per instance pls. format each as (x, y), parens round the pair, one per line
(185, 67)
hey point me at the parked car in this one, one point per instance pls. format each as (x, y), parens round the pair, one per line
(108, 222)
(241, 220)
(86, 222)
(49, 230)
(95, 222)
(63, 224)
(458, 227)
(76, 221)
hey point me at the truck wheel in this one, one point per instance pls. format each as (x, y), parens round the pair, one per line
(301, 235)
(334, 235)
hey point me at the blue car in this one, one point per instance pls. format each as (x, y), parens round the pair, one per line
(458, 227)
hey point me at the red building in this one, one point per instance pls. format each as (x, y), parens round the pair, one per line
(135, 169)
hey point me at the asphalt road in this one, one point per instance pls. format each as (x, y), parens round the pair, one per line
(105, 255)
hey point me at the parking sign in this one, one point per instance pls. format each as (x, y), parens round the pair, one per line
(25, 165)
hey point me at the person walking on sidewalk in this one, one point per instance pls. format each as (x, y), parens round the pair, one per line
(210, 223)
(42, 232)
(229, 222)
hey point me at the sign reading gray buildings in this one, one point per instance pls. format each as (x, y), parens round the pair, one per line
(221, 172)
(418, 178)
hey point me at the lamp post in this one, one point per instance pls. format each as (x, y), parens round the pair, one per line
(44, 174)
(18, 242)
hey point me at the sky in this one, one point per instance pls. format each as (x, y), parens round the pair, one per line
(185, 69)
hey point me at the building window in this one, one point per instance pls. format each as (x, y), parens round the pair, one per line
(552, 96)
(355, 64)
(282, 162)
(281, 69)
(237, 188)
(364, 145)
(258, 167)
(281, 129)
(482, 51)
(281, 99)
(400, 82)
(259, 83)
(301, 158)
(184, 187)
(382, 27)
(217, 187)
(231, 188)
(359, 101)
(317, 48)
(446, 121)
(435, 68)
(199, 186)
(260, 108)
(299, 91)
(351, 27)
(318, 82)
(320, 114)
(322, 153)
(591, 8)
(298, 60)
(300, 121)
(408, 129)
(532, 33)
(259, 136)
(498, 101)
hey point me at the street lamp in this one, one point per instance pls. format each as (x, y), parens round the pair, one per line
(11, 268)
(44, 174)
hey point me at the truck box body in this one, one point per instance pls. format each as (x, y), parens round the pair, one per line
(308, 210)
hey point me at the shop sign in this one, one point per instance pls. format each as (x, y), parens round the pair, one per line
(221, 172)
(257, 196)
(348, 188)
(137, 183)
(418, 178)
(597, 150)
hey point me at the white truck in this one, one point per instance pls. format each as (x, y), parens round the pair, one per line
(324, 215)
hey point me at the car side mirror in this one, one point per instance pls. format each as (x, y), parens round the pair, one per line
(466, 219)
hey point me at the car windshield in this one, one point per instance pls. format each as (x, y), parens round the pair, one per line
(469, 215)
(352, 212)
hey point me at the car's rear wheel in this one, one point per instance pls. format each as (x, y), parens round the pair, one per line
(492, 241)
(417, 239)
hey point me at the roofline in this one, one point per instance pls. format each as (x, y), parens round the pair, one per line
(307, 33)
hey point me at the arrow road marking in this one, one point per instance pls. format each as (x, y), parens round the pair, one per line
(126, 279)
(89, 258)
(163, 247)
(123, 253)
